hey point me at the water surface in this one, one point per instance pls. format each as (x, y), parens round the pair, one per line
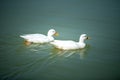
(99, 19)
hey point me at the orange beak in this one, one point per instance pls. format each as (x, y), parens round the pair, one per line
(56, 34)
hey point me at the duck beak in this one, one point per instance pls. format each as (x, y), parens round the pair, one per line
(56, 34)
(88, 38)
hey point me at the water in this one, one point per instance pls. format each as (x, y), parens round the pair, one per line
(97, 18)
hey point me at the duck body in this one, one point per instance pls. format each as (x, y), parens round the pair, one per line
(39, 38)
(69, 44)
(36, 38)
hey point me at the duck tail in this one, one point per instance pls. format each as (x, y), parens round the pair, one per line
(22, 36)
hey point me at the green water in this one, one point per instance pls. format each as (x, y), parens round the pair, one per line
(99, 19)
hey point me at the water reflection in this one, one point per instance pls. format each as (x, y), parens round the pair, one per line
(38, 47)
(46, 56)
(68, 53)
(54, 52)
(48, 52)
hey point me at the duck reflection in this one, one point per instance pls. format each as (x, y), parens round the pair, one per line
(38, 47)
(68, 53)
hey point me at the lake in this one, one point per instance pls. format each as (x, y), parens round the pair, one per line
(99, 19)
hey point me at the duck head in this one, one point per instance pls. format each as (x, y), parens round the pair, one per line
(83, 37)
(52, 33)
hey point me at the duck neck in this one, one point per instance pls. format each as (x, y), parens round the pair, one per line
(81, 41)
(50, 37)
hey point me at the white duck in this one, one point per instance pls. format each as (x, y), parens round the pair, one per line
(39, 38)
(69, 44)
